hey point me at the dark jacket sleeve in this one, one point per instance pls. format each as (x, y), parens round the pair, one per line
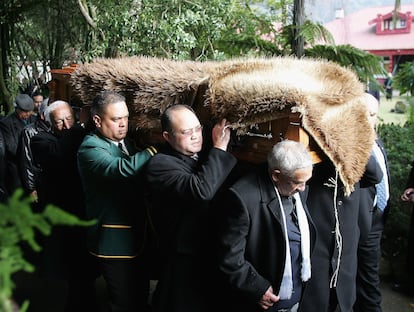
(373, 173)
(27, 169)
(410, 182)
(8, 136)
(234, 229)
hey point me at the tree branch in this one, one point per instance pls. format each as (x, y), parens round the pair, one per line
(86, 15)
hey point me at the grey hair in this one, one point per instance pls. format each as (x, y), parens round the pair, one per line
(288, 156)
(52, 107)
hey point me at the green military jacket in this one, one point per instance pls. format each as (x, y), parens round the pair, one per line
(112, 184)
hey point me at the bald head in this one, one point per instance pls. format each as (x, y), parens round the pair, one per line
(372, 108)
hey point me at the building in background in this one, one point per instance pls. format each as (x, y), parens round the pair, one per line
(374, 30)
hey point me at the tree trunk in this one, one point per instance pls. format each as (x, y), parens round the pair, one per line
(7, 102)
(298, 21)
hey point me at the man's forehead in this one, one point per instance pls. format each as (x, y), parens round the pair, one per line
(62, 111)
(184, 116)
(116, 106)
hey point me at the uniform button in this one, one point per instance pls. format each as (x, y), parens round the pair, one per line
(340, 202)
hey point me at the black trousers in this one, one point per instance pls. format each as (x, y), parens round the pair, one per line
(368, 292)
(65, 257)
(410, 252)
(127, 282)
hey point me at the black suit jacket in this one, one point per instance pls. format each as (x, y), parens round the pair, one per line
(64, 251)
(29, 172)
(367, 209)
(12, 127)
(251, 242)
(59, 181)
(321, 202)
(181, 193)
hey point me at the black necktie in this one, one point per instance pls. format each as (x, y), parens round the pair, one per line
(289, 207)
(287, 204)
(123, 148)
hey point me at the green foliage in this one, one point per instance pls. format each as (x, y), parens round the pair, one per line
(363, 63)
(36, 34)
(59, 32)
(398, 144)
(313, 32)
(250, 32)
(18, 225)
(404, 79)
(155, 28)
(198, 29)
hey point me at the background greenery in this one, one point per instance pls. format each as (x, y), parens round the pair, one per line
(37, 35)
(397, 130)
(19, 227)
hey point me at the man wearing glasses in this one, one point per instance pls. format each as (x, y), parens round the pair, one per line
(183, 181)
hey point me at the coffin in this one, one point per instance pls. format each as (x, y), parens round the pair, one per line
(265, 99)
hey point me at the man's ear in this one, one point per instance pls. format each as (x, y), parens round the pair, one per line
(96, 120)
(166, 136)
(275, 175)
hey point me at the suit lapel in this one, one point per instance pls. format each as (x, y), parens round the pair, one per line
(268, 195)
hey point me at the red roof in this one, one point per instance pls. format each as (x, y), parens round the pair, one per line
(359, 30)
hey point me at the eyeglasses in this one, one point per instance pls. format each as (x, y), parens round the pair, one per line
(191, 131)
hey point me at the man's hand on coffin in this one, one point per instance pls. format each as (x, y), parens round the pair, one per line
(221, 134)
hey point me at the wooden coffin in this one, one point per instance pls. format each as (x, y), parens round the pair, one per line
(313, 101)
